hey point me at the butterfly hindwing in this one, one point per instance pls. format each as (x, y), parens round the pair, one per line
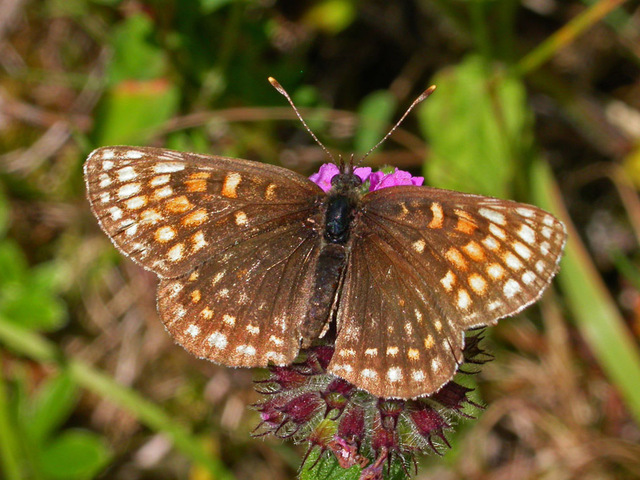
(392, 340)
(442, 262)
(169, 211)
(243, 306)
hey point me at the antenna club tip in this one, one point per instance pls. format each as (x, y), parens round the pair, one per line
(426, 93)
(276, 84)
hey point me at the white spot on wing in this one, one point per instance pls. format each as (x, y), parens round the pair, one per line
(176, 252)
(511, 287)
(526, 212)
(463, 299)
(116, 213)
(497, 231)
(217, 340)
(133, 154)
(105, 180)
(159, 180)
(435, 365)
(107, 155)
(246, 350)
(394, 374)
(136, 202)
(512, 261)
(521, 250)
(527, 234)
(193, 330)
(168, 167)
(544, 248)
(126, 174)
(492, 215)
(368, 373)
(163, 192)
(528, 278)
(490, 242)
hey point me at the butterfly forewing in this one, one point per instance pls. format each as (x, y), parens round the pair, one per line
(170, 211)
(233, 241)
(442, 262)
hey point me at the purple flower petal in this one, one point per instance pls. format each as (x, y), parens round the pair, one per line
(325, 174)
(363, 172)
(380, 180)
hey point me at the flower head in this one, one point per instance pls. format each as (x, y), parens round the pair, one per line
(351, 427)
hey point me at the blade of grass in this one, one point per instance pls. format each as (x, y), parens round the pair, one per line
(37, 348)
(9, 449)
(593, 309)
(565, 35)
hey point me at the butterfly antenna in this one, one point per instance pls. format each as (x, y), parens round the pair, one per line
(284, 93)
(423, 96)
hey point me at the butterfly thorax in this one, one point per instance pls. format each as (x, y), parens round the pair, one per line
(341, 202)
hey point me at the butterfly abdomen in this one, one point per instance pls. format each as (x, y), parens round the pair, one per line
(339, 212)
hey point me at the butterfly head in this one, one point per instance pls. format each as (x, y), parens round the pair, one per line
(346, 180)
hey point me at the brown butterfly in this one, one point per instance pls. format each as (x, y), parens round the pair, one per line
(256, 262)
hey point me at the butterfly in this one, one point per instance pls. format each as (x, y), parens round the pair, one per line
(256, 262)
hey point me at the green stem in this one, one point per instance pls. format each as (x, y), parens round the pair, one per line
(9, 450)
(506, 12)
(595, 313)
(480, 32)
(41, 350)
(567, 34)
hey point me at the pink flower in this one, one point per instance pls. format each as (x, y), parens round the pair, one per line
(380, 179)
(377, 180)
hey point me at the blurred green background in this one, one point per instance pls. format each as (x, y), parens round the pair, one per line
(537, 100)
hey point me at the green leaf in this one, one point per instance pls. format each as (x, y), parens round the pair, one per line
(32, 308)
(53, 403)
(210, 6)
(331, 16)
(74, 455)
(4, 213)
(328, 468)
(135, 56)
(132, 111)
(374, 115)
(479, 129)
(13, 265)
